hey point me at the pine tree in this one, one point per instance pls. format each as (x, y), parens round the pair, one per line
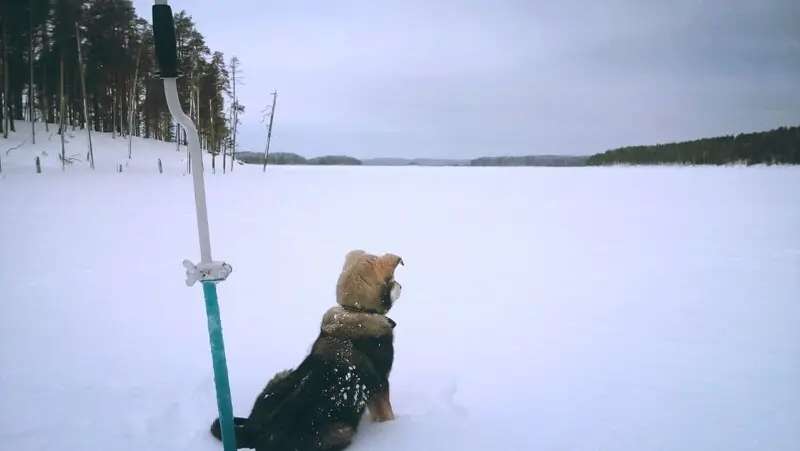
(41, 71)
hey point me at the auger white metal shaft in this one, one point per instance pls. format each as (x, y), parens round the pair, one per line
(174, 104)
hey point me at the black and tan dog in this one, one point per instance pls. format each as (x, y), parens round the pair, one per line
(318, 405)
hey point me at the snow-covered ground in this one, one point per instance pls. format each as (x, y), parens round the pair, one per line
(624, 309)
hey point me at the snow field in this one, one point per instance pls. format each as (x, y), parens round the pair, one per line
(543, 308)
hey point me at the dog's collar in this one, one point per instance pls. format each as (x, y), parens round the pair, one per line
(360, 310)
(371, 312)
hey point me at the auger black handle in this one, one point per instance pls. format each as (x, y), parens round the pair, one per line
(165, 42)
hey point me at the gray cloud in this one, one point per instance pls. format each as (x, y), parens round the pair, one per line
(419, 78)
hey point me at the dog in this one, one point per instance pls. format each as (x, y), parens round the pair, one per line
(318, 405)
(367, 284)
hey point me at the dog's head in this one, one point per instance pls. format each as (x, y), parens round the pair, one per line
(367, 282)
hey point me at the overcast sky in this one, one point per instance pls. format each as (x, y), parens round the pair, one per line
(470, 78)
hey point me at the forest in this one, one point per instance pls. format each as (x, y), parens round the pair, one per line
(91, 65)
(778, 146)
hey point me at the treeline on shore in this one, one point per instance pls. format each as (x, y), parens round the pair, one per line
(287, 158)
(778, 146)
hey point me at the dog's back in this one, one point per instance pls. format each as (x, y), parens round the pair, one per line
(318, 406)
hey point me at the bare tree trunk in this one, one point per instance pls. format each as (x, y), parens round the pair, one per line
(6, 115)
(234, 114)
(61, 116)
(269, 129)
(121, 111)
(86, 122)
(212, 144)
(192, 108)
(132, 101)
(70, 110)
(3, 126)
(186, 139)
(224, 146)
(45, 103)
(197, 102)
(3, 109)
(113, 114)
(191, 115)
(31, 90)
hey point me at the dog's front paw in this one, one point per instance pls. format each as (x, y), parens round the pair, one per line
(380, 408)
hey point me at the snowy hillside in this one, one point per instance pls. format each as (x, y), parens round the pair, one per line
(624, 309)
(19, 154)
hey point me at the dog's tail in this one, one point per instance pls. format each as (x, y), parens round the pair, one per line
(243, 438)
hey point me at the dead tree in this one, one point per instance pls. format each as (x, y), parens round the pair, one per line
(236, 79)
(269, 128)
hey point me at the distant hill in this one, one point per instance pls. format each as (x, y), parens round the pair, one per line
(531, 160)
(414, 162)
(778, 146)
(526, 160)
(281, 158)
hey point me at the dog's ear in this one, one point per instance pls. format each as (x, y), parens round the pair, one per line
(389, 262)
(351, 257)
